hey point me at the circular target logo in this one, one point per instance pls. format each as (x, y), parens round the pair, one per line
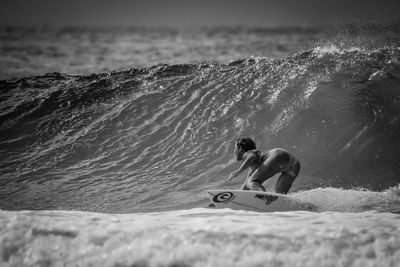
(223, 197)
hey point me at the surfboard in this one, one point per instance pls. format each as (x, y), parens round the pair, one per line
(256, 201)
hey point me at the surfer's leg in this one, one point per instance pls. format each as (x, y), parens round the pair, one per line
(266, 170)
(275, 162)
(253, 185)
(286, 179)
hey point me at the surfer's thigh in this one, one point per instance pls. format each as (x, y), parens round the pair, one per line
(263, 173)
(286, 179)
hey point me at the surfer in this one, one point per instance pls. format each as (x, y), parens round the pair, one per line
(264, 165)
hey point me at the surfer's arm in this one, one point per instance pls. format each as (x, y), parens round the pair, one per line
(249, 160)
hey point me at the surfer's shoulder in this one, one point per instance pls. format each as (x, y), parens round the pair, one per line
(251, 154)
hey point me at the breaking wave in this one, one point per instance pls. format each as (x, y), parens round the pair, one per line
(156, 138)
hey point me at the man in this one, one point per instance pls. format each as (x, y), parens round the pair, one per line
(263, 166)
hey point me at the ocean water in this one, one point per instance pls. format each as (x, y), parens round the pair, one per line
(110, 137)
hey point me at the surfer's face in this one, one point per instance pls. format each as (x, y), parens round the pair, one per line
(238, 152)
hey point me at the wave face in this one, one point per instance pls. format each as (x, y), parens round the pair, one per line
(156, 138)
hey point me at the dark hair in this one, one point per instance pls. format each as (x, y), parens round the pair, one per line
(246, 143)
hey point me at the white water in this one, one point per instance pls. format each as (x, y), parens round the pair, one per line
(199, 237)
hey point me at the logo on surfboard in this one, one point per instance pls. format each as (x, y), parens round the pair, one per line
(223, 197)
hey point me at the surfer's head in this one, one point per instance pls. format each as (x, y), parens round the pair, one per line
(243, 144)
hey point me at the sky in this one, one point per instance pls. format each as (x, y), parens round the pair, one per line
(181, 13)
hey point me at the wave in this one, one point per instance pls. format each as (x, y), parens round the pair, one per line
(159, 136)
